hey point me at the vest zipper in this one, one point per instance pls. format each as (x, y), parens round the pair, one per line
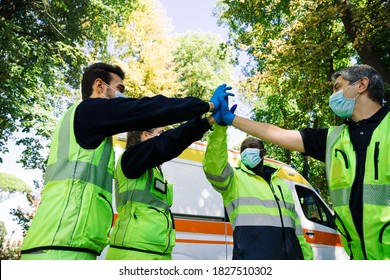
(344, 157)
(281, 218)
(281, 193)
(376, 161)
(169, 234)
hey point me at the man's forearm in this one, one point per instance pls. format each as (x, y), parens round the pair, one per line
(288, 139)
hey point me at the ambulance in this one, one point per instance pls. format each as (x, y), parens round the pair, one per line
(202, 227)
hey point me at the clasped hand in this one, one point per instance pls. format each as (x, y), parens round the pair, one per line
(221, 112)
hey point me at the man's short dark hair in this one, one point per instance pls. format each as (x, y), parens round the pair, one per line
(98, 70)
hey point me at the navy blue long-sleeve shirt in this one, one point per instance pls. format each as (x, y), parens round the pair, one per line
(157, 150)
(98, 118)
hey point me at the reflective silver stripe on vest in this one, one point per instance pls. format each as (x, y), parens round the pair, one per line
(268, 220)
(373, 194)
(254, 201)
(226, 173)
(340, 197)
(64, 169)
(262, 220)
(142, 196)
(376, 194)
(330, 141)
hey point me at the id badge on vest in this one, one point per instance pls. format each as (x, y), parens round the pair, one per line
(160, 186)
(163, 191)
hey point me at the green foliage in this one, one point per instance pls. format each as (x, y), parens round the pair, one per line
(3, 232)
(295, 46)
(23, 217)
(10, 185)
(43, 47)
(201, 64)
(10, 250)
(191, 64)
(143, 48)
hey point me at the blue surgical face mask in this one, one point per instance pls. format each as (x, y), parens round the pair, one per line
(341, 106)
(117, 93)
(250, 157)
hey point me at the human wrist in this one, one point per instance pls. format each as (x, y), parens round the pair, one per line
(211, 120)
(211, 106)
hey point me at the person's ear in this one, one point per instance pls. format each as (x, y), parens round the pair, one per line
(98, 85)
(144, 136)
(363, 84)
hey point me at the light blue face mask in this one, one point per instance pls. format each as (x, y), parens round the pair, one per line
(340, 105)
(250, 157)
(117, 93)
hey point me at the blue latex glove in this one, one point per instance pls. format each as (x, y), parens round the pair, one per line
(217, 115)
(227, 115)
(220, 92)
(232, 110)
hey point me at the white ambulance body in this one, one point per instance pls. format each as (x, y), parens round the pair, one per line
(202, 227)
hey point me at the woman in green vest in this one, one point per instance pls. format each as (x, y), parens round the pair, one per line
(144, 229)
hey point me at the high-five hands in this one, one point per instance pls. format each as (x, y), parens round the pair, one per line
(220, 101)
(227, 115)
(220, 92)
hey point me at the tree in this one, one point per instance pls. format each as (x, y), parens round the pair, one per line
(367, 26)
(43, 47)
(10, 185)
(192, 64)
(295, 46)
(202, 64)
(136, 38)
(24, 217)
(10, 249)
(143, 48)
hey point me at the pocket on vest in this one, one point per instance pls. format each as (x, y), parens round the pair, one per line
(150, 228)
(341, 169)
(97, 219)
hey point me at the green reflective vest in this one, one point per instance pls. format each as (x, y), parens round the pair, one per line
(341, 168)
(75, 211)
(249, 200)
(144, 220)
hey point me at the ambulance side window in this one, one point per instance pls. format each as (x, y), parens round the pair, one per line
(313, 207)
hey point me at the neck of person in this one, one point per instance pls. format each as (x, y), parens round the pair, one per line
(365, 108)
(259, 169)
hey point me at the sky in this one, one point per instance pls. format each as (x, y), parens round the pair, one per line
(185, 15)
(193, 15)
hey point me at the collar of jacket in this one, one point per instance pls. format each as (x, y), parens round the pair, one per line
(269, 168)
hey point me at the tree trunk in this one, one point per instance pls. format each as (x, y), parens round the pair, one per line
(363, 48)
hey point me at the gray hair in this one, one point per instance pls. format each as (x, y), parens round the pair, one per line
(356, 72)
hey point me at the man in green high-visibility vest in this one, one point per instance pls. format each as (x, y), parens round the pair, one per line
(356, 156)
(75, 215)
